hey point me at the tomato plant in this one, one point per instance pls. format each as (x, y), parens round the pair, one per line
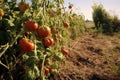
(37, 30)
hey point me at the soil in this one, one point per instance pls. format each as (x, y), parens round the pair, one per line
(92, 57)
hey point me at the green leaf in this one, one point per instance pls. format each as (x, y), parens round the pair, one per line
(36, 71)
(31, 61)
(30, 75)
(58, 56)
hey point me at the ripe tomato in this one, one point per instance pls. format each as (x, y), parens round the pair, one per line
(48, 41)
(65, 24)
(1, 12)
(44, 31)
(47, 70)
(30, 25)
(70, 6)
(25, 45)
(53, 29)
(64, 51)
(27, 33)
(23, 6)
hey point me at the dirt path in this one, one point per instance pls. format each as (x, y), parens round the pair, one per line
(92, 57)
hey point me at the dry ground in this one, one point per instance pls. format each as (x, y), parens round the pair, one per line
(92, 57)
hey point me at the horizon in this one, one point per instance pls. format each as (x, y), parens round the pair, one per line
(84, 7)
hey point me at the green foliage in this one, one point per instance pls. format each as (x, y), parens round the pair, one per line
(102, 19)
(77, 24)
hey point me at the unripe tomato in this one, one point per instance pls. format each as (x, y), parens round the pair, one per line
(64, 51)
(48, 41)
(65, 24)
(59, 36)
(30, 25)
(25, 45)
(1, 12)
(47, 70)
(59, 11)
(23, 6)
(43, 31)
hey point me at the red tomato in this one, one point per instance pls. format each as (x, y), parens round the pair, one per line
(25, 45)
(65, 24)
(43, 31)
(64, 51)
(30, 25)
(47, 70)
(53, 29)
(27, 33)
(48, 42)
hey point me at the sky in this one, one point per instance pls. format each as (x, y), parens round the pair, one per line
(83, 7)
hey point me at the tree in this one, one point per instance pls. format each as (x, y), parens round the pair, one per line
(101, 18)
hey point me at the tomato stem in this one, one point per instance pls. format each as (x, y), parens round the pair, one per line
(42, 70)
(4, 65)
(10, 44)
